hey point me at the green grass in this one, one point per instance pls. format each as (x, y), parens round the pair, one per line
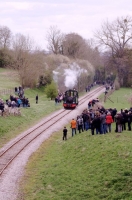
(83, 167)
(119, 99)
(8, 79)
(11, 126)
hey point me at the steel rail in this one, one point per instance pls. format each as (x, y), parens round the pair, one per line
(9, 160)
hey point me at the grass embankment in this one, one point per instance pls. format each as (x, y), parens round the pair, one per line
(119, 99)
(84, 166)
(8, 79)
(11, 126)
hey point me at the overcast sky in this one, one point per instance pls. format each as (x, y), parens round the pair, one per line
(34, 17)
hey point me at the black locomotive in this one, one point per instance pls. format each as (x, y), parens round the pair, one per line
(70, 99)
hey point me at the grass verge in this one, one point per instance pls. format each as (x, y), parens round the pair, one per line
(8, 79)
(84, 166)
(11, 126)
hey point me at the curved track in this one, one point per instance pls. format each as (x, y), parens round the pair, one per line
(8, 155)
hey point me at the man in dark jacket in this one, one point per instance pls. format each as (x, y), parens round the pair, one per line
(95, 124)
(129, 120)
(113, 113)
(103, 127)
(65, 133)
(119, 122)
(125, 118)
(36, 98)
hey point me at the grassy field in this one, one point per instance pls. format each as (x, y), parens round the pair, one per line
(11, 126)
(120, 99)
(8, 79)
(84, 166)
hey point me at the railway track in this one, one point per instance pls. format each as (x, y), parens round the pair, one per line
(10, 153)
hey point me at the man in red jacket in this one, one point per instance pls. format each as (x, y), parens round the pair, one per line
(109, 121)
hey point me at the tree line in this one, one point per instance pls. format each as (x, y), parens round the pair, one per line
(109, 53)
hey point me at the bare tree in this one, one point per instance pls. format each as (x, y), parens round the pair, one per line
(5, 37)
(26, 61)
(117, 37)
(22, 42)
(54, 38)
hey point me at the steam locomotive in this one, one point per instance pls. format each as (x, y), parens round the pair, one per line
(70, 100)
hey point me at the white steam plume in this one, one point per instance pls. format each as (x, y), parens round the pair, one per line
(69, 73)
(72, 74)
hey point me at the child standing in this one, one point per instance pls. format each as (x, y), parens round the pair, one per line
(65, 133)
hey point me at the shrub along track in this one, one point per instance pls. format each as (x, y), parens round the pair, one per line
(9, 154)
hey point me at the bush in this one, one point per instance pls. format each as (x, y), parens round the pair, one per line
(51, 90)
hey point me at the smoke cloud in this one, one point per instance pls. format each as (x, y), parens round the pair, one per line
(70, 74)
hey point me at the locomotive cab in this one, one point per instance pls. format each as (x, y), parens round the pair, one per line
(70, 99)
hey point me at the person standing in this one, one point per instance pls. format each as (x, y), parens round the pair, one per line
(113, 114)
(96, 124)
(109, 121)
(125, 118)
(103, 123)
(80, 124)
(37, 98)
(16, 92)
(56, 100)
(73, 126)
(129, 120)
(65, 133)
(119, 120)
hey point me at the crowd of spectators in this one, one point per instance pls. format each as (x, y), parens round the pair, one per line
(16, 100)
(59, 98)
(88, 88)
(19, 91)
(100, 120)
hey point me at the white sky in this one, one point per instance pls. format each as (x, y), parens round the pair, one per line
(34, 17)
